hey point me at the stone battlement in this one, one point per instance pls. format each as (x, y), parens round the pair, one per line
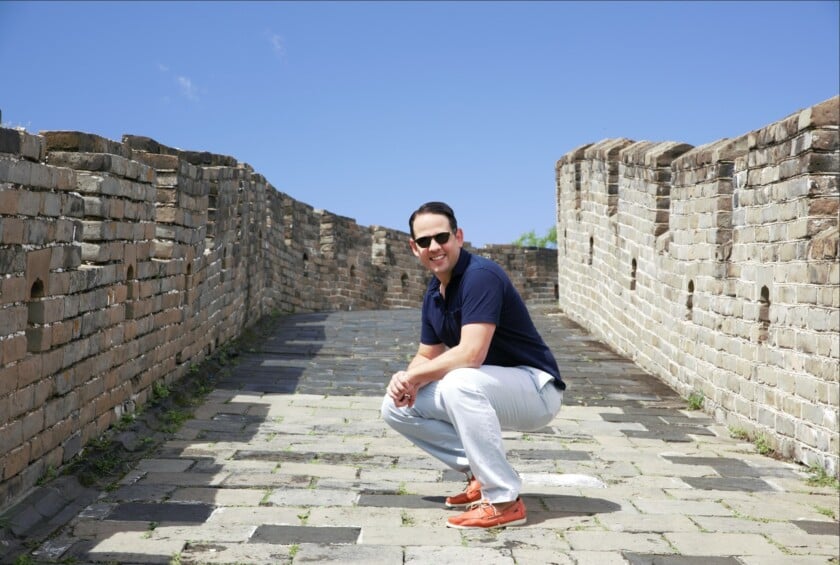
(123, 264)
(716, 269)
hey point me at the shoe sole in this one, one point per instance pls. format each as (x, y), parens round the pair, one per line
(464, 505)
(512, 523)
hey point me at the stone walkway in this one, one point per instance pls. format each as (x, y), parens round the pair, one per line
(288, 461)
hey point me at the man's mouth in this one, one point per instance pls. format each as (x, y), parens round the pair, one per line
(436, 258)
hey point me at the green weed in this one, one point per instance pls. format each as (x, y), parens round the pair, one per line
(820, 478)
(48, 475)
(738, 433)
(826, 512)
(406, 519)
(159, 390)
(762, 445)
(696, 400)
(173, 420)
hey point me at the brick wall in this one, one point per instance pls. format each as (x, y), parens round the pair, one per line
(716, 269)
(124, 263)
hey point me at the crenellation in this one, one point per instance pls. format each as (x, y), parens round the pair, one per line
(732, 248)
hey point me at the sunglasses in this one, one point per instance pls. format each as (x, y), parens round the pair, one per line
(426, 241)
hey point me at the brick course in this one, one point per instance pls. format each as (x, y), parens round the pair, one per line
(716, 269)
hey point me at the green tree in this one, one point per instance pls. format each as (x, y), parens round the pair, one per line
(531, 239)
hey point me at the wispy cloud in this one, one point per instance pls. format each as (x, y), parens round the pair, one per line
(188, 89)
(277, 44)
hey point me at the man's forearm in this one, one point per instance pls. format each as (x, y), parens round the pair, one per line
(423, 370)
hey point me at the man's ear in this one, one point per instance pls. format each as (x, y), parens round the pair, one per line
(414, 248)
(459, 236)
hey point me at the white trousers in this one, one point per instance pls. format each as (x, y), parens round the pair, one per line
(459, 420)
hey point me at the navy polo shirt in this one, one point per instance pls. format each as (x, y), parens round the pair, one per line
(481, 292)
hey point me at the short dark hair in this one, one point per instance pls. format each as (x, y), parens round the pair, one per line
(434, 208)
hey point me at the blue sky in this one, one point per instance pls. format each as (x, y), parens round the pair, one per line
(368, 109)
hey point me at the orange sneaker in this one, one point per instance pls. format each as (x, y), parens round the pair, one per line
(471, 494)
(485, 515)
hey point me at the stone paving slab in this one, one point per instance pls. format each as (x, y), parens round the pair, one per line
(288, 461)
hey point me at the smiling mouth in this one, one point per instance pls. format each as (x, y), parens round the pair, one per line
(436, 258)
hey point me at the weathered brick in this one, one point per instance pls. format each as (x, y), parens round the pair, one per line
(13, 231)
(38, 339)
(9, 202)
(33, 423)
(45, 310)
(13, 348)
(13, 319)
(50, 204)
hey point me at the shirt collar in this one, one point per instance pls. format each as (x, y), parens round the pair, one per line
(463, 260)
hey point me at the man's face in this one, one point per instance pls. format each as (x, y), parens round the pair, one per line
(440, 259)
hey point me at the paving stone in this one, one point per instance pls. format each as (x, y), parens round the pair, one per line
(311, 497)
(552, 455)
(164, 465)
(219, 496)
(597, 558)
(721, 544)
(786, 560)
(133, 547)
(685, 507)
(423, 534)
(366, 517)
(433, 554)
(398, 501)
(561, 479)
(266, 480)
(651, 523)
(747, 484)
(200, 553)
(741, 525)
(147, 493)
(255, 515)
(646, 559)
(290, 535)
(350, 554)
(780, 507)
(222, 533)
(725, 466)
(165, 512)
(617, 541)
(579, 505)
(797, 543)
(819, 528)
(524, 555)
(183, 479)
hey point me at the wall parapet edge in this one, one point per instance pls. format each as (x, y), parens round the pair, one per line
(716, 269)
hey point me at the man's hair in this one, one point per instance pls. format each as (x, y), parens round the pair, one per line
(434, 208)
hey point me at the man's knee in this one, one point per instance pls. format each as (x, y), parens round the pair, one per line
(458, 382)
(387, 409)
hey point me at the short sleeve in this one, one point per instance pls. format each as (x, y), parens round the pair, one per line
(483, 294)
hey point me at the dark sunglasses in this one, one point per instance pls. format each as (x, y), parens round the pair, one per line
(426, 241)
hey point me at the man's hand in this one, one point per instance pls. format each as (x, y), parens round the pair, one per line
(401, 390)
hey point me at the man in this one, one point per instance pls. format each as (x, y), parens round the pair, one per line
(481, 367)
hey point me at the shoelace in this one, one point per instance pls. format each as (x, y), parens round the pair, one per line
(484, 503)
